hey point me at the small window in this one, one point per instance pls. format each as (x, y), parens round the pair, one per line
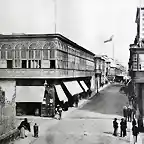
(52, 64)
(24, 64)
(9, 64)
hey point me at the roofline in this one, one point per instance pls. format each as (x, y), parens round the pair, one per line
(59, 36)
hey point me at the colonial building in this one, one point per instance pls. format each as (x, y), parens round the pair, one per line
(43, 70)
(136, 66)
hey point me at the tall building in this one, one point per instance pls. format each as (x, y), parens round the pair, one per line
(37, 72)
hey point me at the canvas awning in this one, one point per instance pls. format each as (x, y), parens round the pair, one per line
(30, 93)
(60, 93)
(73, 87)
(84, 85)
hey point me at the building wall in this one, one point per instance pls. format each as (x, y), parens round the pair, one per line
(38, 53)
(7, 111)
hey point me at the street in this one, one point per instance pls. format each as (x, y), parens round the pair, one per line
(90, 124)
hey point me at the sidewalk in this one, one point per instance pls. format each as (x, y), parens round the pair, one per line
(47, 123)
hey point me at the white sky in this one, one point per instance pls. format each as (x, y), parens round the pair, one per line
(86, 22)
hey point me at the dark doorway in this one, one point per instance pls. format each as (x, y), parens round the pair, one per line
(24, 64)
(52, 64)
(9, 64)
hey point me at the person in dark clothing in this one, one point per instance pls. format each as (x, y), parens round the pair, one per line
(135, 133)
(129, 112)
(133, 122)
(24, 125)
(122, 128)
(125, 112)
(115, 126)
(125, 127)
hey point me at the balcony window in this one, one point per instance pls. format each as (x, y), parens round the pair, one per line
(46, 51)
(4, 49)
(52, 50)
(9, 52)
(17, 51)
(23, 52)
(32, 48)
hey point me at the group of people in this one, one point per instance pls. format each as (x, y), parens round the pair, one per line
(129, 115)
(123, 127)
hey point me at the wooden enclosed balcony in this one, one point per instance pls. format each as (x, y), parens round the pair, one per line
(43, 73)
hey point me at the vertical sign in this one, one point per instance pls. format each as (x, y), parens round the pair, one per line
(141, 24)
(141, 62)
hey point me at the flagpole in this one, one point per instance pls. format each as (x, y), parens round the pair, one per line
(113, 48)
(55, 11)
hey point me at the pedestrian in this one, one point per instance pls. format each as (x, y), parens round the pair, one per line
(125, 112)
(115, 126)
(24, 125)
(133, 122)
(36, 130)
(135, 133)
(122, 124)
(129, 114)
(59, 109)
(125, 127)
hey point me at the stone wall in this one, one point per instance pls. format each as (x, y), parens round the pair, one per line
(7, 109)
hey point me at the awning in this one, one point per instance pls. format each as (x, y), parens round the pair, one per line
(60, 93)
(84, 85)
(30, 93)
(73, 87)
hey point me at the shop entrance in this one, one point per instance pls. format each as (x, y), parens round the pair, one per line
(28, 108)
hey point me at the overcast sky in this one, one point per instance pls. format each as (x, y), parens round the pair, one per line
(86, 22)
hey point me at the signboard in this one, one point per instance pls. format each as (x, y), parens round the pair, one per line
(141, 62)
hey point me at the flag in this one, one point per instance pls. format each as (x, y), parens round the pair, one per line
(109, 40)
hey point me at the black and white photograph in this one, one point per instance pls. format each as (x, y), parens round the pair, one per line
(71, 71)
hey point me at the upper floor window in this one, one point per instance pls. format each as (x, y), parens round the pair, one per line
(34, 51)
(52, 50)
(6, 52)
(46, 51)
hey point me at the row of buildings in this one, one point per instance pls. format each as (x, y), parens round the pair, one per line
(37, 72)
(136, 65)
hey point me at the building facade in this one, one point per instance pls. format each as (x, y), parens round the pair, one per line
(41, 71)
(136, 67)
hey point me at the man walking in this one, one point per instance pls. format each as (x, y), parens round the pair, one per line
(115, 126)
(129, 113)
(125, 127)
(125, 112)
(135, 133)
(122, 128)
